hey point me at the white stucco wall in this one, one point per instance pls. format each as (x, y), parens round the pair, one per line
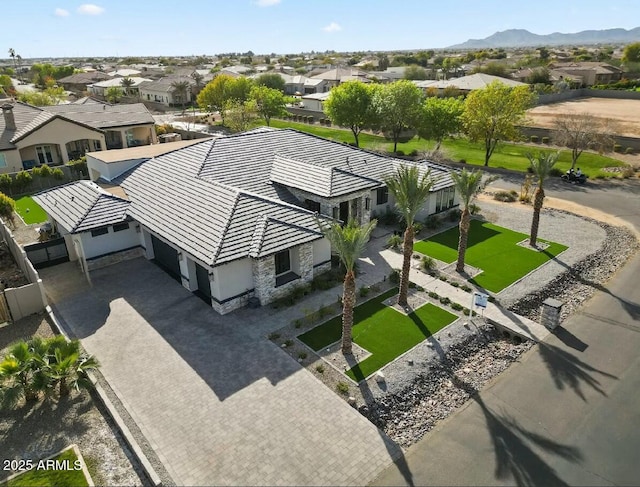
(321, 251)
(13, 162)
(110, 170)
(109, 242)
(232, 279)
(381, 209)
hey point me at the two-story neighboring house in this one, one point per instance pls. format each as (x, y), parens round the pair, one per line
(31, 136)
(231, 218)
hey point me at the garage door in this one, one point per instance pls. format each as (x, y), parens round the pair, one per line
(166, 257)
(204, 286)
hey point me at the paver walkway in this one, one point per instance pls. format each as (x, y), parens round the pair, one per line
(218, 405)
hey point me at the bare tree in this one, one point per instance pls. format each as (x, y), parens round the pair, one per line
(580, 131)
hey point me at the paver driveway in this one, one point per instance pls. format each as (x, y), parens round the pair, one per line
(219, 406)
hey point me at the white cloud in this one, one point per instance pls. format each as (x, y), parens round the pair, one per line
(60, 12)
(90, 9)
(332, 27)
(266, 3)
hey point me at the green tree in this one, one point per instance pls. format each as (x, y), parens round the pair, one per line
(351, 105)
(7, 209)
(270, 102)
(440, 118)
(68, 365)
(580, 131)
(126, 84)
(22, 181)
(410, 190)
(6, 183)
(213, 96)
(468, 185)
(539, 75)
(397, 106)
(180, 90)
(493, 114)
(415, 72)
(271, 80)
(631, 53)
(6, 85)
(349, 242)
(113, 94)
(239, 89)
(240, 115)
(540, 167)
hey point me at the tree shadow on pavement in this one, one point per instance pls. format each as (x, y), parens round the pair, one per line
(569, 371)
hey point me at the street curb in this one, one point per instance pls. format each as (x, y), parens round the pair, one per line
(115, 416)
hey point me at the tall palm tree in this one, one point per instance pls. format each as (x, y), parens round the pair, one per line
(468, 185)
(197, 78)
(410, 190)
(68, 365)
(349, 242)
(127, 83)
(541, 167)
(12, 55)
(180, 89)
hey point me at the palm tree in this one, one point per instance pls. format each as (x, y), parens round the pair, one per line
(22, 372)
(127, 83)
(68, 365)
(19, 63)
(12, 55)
(197, 78)
(349, 242)
(541, 167)
(410, 191)
(468, 185)
(180, 90)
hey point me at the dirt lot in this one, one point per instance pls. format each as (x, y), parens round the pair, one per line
(626, 113)
(10, 273)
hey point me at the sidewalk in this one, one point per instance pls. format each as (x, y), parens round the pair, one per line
(383, 261)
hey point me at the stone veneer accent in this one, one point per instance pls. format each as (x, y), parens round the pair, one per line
(328, 204)
(233, 304)
(114, 258)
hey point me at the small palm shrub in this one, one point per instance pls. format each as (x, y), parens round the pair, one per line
(394, 242)
(505, 196)
(427, 263)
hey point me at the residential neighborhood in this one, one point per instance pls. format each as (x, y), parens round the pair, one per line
(338, 259)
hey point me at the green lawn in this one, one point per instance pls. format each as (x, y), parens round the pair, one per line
(51, 477)
(492, 249)
(30, 211)
(508, 156)
(381, 330)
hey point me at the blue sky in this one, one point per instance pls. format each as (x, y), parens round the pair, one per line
(63, 28)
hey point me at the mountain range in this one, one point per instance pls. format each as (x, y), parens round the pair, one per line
(524, 38)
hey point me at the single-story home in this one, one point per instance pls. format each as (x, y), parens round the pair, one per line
(78, 82)
(31, 136)
(231, 218)
(477, 81)
(314, 101)
(100, 88)
(164, 90)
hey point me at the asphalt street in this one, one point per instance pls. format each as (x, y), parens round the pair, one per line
(567, 414)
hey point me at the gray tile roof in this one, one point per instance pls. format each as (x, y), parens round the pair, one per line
(84, 78)
(272, 236)
(39, 120)
(103, 115)
(166, 84)
(23, 114)
(81, 206)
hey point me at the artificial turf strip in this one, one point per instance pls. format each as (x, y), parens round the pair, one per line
(35, 213)
(381, 330)
(491, 248)
(50, 477)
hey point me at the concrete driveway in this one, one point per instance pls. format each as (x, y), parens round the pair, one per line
(218, 405)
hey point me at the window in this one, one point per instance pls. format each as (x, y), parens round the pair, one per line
(99, 231)
(3, 161)
(312, 205)
(44, 154)
(438, 201)
(336, 213)
(119, 227)
(367, 203)
(452, 193)
(382, 196)
(283, 262)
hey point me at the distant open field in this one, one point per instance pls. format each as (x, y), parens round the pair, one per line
(626, 113)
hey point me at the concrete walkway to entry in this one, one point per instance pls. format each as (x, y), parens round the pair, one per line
(218, 405)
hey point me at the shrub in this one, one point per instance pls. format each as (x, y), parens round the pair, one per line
(297, 323)
(399, 152)
(555, 172)
(273, 336)
(7, 207)
(79, 167)
(364, 291)
(23, 180)
(617, 148)
(465, 288)
(389, 217)
(627, 172)
(394, 242)
(491, 299)
(545, 140)
(504, 196)
(5, 183)
(302, 355)
(412, 285)
(454, 215)
(320, 368)
(432, 222)
(443, 278)
(417, 227)
(342, 387)
(414, 153)
(534, 138)
(427, 263)
(474, 209)
(434, 295)
(445, 300)
(394, 277)
(462, 161)
(57, 174)
(455, 283)
(628, 150)
(288, 343)
(324, 311)
(456, 306)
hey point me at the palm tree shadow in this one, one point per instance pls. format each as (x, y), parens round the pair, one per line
(570, 371)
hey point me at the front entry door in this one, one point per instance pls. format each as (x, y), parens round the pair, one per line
(344, 211)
